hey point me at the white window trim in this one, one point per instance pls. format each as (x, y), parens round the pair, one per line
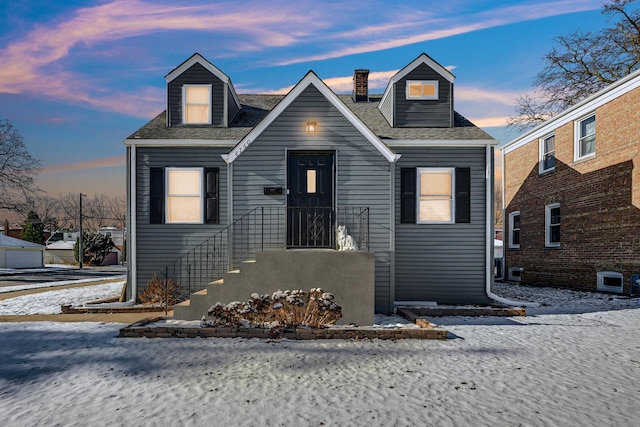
(184, 103)
(511, 217)
(541, 154)
(577, 138)
(547, 225)
(167, 195)
(436, 83)
(452, 172)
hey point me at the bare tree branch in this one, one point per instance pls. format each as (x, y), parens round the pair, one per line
(582, 64)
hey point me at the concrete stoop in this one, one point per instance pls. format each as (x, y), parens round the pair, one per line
(349, 276)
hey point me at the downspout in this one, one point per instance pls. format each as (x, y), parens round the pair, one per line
(225, 157)
(489, 237)
(132, 256)
(392, 236)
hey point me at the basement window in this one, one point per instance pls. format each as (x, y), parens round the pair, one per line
(514, 274)
(609, 281)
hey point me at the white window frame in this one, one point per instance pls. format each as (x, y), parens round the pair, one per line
(435, 83)
(168, 195)
(543, 153)
(452, 173)
(578, 138)
(512, 216)
(547, 225)
(184, 104)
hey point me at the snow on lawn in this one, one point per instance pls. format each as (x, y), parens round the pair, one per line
(49, 302)
(15, 288)
(570, 362)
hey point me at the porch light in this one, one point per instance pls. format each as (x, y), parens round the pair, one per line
(311, 127)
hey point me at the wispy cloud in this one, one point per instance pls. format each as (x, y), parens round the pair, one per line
(107, 162)
(394, 35)
(34, 64)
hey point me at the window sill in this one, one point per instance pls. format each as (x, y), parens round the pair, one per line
(546, 172)
(552, 246)
(584, 159)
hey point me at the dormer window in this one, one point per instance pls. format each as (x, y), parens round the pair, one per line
(196, 108)
(422, 89)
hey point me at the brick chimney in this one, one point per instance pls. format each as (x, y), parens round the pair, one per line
(360, 86)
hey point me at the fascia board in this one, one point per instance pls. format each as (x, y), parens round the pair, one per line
(196, 58)
(424, 59)
(310, 79)
(179, 142)
(442, 143)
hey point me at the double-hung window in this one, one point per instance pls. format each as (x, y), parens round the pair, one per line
(196, 104)
(514, 230)
(547, 153)
(422, 89)
(183, 195)
(585, 138)
(435, 195)
(435, 190)
(552, 225)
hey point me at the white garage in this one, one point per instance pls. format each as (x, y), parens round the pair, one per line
(16, 253)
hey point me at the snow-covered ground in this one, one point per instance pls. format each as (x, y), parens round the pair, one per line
(573, 361)
(49, 302)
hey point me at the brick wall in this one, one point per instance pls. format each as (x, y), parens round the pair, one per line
(599, 197)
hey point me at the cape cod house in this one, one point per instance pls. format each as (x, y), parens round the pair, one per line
(572, 195)
(231, 194)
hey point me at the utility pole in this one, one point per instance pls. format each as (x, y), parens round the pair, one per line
(80, 249)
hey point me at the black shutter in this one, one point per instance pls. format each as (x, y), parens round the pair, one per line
(156, 192)
(408, 195)
(463, 195)
(211, 203)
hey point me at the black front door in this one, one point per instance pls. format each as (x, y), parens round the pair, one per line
(310, 200)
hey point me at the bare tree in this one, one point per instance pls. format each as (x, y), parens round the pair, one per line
(497, 203)
(17, 170)
(97, 211)
(582, 64)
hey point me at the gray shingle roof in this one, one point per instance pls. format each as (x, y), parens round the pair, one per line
(256, 107)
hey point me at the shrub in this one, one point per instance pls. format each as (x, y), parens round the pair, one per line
(289, 309)
(159, 292)
(95, 247)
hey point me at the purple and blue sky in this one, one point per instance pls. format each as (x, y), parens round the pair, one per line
(78, 77)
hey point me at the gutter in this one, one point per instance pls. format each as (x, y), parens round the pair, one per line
(489, 238)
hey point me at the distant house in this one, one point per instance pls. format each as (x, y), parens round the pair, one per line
(255, 190)
(572, 195)
(62, 236)
(16, 253)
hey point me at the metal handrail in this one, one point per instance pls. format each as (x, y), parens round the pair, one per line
(265, 227)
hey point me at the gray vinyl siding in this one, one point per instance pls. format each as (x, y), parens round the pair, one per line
(362, 172)
(386, 108)
(196, 74)
(232, 107)
(424, 113)
(160, 244)
(443, 263)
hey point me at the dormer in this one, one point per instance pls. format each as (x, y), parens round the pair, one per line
(199, 94)
(419, 95)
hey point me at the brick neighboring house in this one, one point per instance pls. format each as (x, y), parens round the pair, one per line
(572, 195)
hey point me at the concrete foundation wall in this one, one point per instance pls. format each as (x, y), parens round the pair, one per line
(349, 276)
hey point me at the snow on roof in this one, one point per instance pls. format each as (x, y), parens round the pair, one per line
(62, 244)
(12, 242)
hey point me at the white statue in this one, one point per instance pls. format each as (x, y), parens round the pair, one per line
(345, 241)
